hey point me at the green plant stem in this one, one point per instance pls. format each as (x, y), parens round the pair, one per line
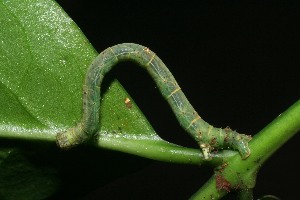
(241, 174)
(156, 149)
(161, 150)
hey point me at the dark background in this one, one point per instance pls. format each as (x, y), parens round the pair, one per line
(237, 63)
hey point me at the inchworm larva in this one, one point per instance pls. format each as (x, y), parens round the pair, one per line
(207, 136)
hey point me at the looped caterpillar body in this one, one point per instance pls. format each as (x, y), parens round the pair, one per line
(207, 136)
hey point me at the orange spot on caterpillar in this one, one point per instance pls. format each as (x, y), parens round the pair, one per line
(147, 50)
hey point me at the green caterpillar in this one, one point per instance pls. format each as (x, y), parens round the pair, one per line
(207, 136)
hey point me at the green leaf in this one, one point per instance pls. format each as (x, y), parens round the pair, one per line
(44, 57)
(43, 60)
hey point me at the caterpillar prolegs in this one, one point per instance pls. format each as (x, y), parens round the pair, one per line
(207, 136)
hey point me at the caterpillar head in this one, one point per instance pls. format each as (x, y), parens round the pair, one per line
(70, 138)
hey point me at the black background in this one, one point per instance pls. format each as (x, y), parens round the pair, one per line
(237, 63)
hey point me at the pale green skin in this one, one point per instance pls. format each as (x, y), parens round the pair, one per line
(207, 136)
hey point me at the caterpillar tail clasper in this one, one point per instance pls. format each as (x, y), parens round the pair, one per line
(208, 137)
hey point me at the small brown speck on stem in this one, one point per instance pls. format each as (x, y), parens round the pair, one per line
(222, 183)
